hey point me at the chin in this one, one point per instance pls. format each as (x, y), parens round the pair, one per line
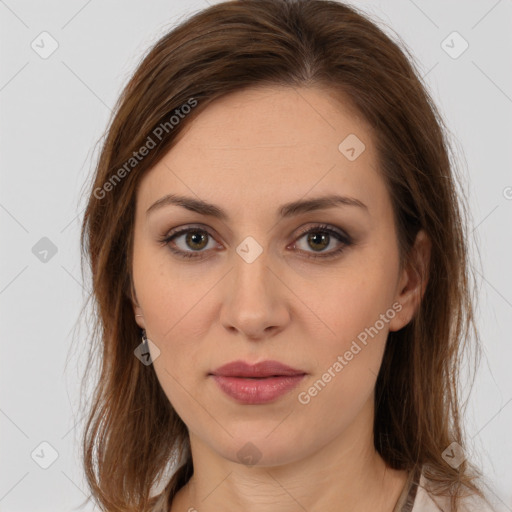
(261, 450)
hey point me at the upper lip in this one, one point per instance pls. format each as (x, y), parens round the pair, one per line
(263, 369)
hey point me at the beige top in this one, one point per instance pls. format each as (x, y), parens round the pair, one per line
(416, 498)
(407, 498)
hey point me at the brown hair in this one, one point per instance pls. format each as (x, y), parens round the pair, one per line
(132, 431)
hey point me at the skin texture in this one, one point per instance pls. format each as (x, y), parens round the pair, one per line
(249, 153)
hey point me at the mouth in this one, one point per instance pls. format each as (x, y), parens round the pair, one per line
(260, 383)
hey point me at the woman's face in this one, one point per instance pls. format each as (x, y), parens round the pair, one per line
(249, 284)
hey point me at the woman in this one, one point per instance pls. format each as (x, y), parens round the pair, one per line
(280, 273)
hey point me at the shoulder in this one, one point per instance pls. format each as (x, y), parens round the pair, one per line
(426, 501)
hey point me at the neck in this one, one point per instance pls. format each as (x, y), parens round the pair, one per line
(346, 474)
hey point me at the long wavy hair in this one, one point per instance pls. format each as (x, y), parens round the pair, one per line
(133, 439)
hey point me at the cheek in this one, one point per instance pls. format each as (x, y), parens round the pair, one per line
(348, 301)
(177, 308)
(163, 289)
(355, 306)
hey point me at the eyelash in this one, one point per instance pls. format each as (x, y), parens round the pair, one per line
(321, 228)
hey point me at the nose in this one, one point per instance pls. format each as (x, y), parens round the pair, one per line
(255, 304)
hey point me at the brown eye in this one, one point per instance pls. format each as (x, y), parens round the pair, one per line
(189, 242)
(196, 240)
(318, 238)
(318, 241)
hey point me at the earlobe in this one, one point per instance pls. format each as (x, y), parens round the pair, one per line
(139, 318)
(137, 310)
(413, 281)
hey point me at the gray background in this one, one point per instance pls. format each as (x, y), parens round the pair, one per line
(55, 109)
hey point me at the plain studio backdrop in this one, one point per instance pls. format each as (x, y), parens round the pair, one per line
(63, 67)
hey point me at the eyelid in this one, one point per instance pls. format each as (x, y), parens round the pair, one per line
(323, 227)
(186, 228)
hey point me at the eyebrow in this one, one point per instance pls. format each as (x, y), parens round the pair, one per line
(286, 210)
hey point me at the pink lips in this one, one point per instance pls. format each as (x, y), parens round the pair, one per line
(256, 384)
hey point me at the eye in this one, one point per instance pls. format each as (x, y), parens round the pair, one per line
(321, 237)
(190, 241)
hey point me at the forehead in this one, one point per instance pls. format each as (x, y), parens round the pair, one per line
(270, 143)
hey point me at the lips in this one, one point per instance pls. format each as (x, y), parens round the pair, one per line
(259, 370)
(256, 384)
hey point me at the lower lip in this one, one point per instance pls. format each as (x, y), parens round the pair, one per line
(257, 391)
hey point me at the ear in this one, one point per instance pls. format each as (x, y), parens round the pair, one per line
(413, 281)
(137, 310)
